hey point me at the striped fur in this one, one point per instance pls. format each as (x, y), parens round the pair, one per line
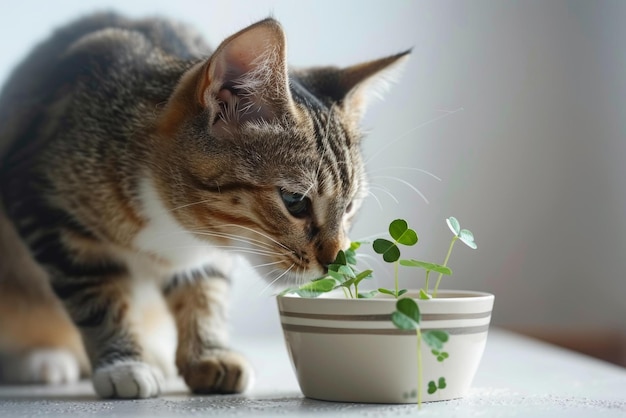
(133, 156)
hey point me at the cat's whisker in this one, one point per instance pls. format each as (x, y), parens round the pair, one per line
(266, 264)
(376, 199)
(421, 170)
(361, 257)
(234, 237)
(404, 134)
(276, 279)
(190, 204)
(231, 249)
(387, 192)
(264, 277)
(298, 276)
(260, 233)
(415, 189)
(262, 248)
(303, 277)
(246, 250)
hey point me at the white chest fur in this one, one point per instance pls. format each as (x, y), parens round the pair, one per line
(165, 238)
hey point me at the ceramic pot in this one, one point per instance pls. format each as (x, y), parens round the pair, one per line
(349, 350)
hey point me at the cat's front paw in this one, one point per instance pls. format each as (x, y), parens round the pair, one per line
(48, 366)
(128, 379)
(219, 371)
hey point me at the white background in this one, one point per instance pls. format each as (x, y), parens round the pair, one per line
(518, 106)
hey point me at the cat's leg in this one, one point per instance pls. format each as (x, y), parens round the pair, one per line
(38, 342)
(98, 298)
(199, 303)
(155, 327)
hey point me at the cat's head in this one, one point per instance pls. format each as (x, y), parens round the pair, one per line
(255, 155)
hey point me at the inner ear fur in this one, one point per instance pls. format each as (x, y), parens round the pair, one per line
(246, 78)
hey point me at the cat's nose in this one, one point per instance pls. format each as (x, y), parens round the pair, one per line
(327, 254)
(325, 263)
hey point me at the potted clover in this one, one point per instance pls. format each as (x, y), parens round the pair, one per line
(386, 345)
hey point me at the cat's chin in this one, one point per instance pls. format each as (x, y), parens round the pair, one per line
(291, 279)
(278, 275)
(282, 278)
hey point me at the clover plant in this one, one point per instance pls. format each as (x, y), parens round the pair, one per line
(344, 274)
(407, 316)
(464, 235)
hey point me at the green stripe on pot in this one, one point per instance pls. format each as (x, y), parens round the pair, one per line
(381, 331)
(384, 317)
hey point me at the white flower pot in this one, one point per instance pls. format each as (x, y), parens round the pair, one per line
(349, 350)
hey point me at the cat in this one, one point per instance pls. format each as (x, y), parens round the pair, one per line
(133, 159)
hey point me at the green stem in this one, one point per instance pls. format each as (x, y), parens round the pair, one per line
(419, 368)
(445, 264)
(395, 272)
(427, 278)
(356, 290)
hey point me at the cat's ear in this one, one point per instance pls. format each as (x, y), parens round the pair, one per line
(363, 81)
(352, 88)
(246, 78)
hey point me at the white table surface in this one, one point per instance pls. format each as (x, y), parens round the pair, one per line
(518, 377)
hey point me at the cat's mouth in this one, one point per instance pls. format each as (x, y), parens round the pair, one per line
(278, 264)
(301, 267)
(288, 271)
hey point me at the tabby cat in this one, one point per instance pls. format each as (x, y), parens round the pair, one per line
(132, 158)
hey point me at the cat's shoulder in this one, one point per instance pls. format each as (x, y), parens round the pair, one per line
(109, 42)
(113, 38)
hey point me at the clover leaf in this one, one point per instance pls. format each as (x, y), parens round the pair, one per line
(407, 314)
(400, 231)
(435, 339)
(467, 237)
(438, 268)
(464, 235)
(454, 225)
(388, 249)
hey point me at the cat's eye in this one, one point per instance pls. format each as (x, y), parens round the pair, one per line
(297, 204)
(349, 207)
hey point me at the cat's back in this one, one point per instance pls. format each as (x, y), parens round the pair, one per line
(98, 59)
